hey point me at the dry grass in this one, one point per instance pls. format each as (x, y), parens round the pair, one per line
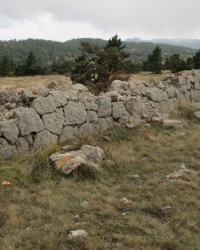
(40, 207)
(27, 81)
(148, 77)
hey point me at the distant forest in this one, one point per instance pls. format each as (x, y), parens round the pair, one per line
(48, 52)
(92, 57)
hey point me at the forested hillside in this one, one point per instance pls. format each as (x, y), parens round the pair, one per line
(48, 52)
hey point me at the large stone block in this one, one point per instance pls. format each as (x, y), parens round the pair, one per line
(7, 151)
(157, 95)
(44, 139)
(68, 133)
(75, 113)
(28, 120)
(118, 109)
(54, 122)
(9, 130)
(44, 105)
(104, 106)
(59, 98)
(134, 106)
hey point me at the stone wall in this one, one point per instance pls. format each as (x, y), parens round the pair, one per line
(33, 118)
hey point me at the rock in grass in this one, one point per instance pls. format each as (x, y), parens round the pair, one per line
(93, 153)
(172, 124)
(77, 233)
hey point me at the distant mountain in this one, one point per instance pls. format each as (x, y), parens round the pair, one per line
(47, 52)
(184, 42)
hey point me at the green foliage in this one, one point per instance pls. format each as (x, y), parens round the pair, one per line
(196, 60)
(30, 67)
(154, 61)
(100, 63)
(6, 66)
(175, 63)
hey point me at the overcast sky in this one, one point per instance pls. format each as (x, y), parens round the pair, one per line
(62, 20)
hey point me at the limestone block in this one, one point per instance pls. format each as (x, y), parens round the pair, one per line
(93, 153)
(68, 162)
(171, 92)
(91, 105)
(34, 92)
(71, 95)
(106, 123)
(68, 133)
(75, 113)
(172, 124)
(92, 117)
(118, 109)
(80, 87)
(9, 130)
(44, 105)
(117, 85)
(7, 151)
(44, 139)
(196, 82)
(54, 122)
(88, 129)
(22, 145)
(104, 106)
(28, 120)
(59, 98)
(157, 95)
(134, 106)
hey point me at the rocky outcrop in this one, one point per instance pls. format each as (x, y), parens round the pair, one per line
(33, 118)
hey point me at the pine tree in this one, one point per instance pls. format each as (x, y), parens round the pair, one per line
(4, 66)
(154, 61)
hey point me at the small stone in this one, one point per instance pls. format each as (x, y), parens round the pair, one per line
(125, 200)
(77, 233)
(67, 148)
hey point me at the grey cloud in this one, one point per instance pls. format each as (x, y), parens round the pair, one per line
(129, 16)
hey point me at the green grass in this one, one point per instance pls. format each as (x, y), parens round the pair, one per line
(41, 207)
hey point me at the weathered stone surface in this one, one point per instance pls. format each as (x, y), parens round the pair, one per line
(88, 129)
(118, 109)
(44, 105)
(9, 130)
(172, 124)
(106, 123)
(133, 107)
(54, 122)
(114, 95)
(157, 95)
(28, 120)
(91, 105)
(63, 84)
(7, 151)
(44, 139)
(77, 233)
(68, 133)
(197, 114)
(92, 117)
(171, 92)
(75, 113)
(117, 85)
(104, 106)
(93, 153)
(196, 82)
(71, 95)
(60, 160)
(59, 98)
(80, 87)
(22, 145)
(34, 92)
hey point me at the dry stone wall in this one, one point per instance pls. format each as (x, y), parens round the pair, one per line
(33, 118)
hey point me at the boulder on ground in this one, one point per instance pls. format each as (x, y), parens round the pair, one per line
(172, 124)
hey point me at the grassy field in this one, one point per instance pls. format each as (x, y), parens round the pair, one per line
(131, 205)
(27, 81)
